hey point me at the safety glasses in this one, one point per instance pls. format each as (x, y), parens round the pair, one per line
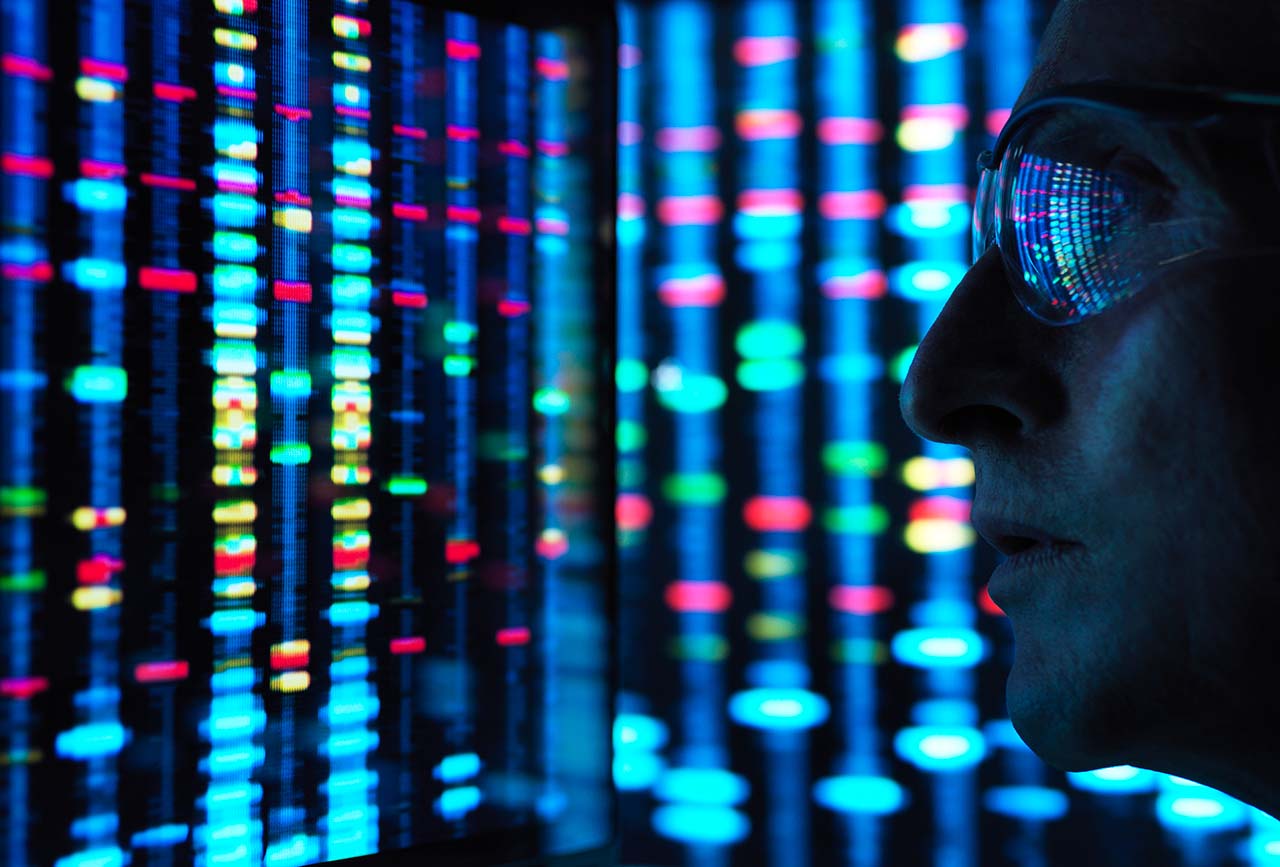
(1086, 192)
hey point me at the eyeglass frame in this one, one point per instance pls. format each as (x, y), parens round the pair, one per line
(1167, 101)
(1194, 105)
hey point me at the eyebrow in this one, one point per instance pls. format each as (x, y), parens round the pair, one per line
(1065, 125)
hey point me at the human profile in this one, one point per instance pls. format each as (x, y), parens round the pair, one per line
(1112, 363)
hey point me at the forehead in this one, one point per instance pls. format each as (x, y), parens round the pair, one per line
(1226, 43)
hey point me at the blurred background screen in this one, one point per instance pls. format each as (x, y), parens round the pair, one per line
(812, 671)
(305, 357)
(304, 518)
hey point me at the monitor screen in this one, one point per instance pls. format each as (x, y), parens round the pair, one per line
(306, 368)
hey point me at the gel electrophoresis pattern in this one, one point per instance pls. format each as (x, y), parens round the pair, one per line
(301, 554)
(813, 673)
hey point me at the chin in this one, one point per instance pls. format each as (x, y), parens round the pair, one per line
(1059, 749)
(1069, 729)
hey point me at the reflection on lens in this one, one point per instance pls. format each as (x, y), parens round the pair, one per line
(983, 235)
(1070, 225)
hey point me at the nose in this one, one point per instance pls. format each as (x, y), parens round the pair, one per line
(986, 368)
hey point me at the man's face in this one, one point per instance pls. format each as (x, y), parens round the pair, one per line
(1146, 434)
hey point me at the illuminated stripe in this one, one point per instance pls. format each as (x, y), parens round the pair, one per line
(103, 69)
(173, 92)
(161, 672)
(167, 279)
(25, 67)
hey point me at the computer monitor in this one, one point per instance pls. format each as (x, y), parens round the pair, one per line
(306, 412)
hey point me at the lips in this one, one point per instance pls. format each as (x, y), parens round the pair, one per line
(1029, 550)
(1011, 537)
(1019, 575)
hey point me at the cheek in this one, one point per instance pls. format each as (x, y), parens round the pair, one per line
(1149, 433)
(1096, 667)
(1165, 462)
(1177, 434)
(1135, 405)
(1233, 408)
